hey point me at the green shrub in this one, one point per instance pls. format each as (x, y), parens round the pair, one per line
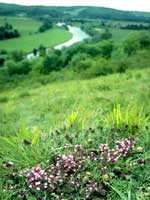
(122, 65)
(83, 65)
(4, 99)
(140, 60)
(23, 67)
(136, 41)
(50, 63)
(17, 56)
(97, 67)
(106, 47)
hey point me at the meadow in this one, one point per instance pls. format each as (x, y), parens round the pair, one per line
(30, 38)
(39, 121)
(26, 26)
(56, 101)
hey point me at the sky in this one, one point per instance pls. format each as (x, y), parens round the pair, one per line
(138, 5)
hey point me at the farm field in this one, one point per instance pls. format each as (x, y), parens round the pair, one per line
(26, 43)
(119, 35)
(30, 38)
(26, 26)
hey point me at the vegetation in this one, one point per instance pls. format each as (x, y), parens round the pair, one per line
(84, 103)
(30, 37)
(74, 124)
(7, 32)
(77, 12)
(47, 24)
(49, 38)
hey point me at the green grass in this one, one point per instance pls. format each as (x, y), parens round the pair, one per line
(30, 38)
(27, 43)
(118, 35)
(37, 121)
(49, 106)
(25, 26)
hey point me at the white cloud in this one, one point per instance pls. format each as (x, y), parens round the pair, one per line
(140, 5)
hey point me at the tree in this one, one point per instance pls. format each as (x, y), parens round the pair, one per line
(136, 41)
(106, 47)
(42, 50)
(47, 24)
(50, 63)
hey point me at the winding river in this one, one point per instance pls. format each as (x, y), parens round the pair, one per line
(78, 36)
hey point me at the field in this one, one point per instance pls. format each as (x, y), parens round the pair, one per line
(26, 26)
(27, 43)
(30, 39)
(119, 35)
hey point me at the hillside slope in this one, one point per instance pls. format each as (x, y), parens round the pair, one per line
(76, 12)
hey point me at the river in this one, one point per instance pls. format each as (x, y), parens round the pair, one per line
(78, 36)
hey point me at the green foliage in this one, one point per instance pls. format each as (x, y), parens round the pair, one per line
(23, 67)
(7, 32)
(47, 24)
(17, 56)
(77, 60)
(106, 47)
(136, 41)
(4, 99)
(106, 35)
(132, 118)
(97, 67)
(50, 63)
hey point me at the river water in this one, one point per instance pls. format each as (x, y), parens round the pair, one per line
(78, 36)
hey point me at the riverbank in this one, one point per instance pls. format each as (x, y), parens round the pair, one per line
(77, 36)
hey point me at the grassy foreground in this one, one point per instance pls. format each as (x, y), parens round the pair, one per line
(48, 106)
(59, 133)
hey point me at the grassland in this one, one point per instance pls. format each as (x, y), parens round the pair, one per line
(30, 38)
(35, 127)
(26, 26)
(49, 106)
(27, 43)
(118, 35)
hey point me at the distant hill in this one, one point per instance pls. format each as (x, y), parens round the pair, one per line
(76, 12)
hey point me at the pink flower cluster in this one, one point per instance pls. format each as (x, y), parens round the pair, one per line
(37, 178)
(57, 173)
(92, 186)
(70, 169)
(121, 149)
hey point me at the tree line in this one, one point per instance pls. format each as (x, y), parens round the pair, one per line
(7, 32)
